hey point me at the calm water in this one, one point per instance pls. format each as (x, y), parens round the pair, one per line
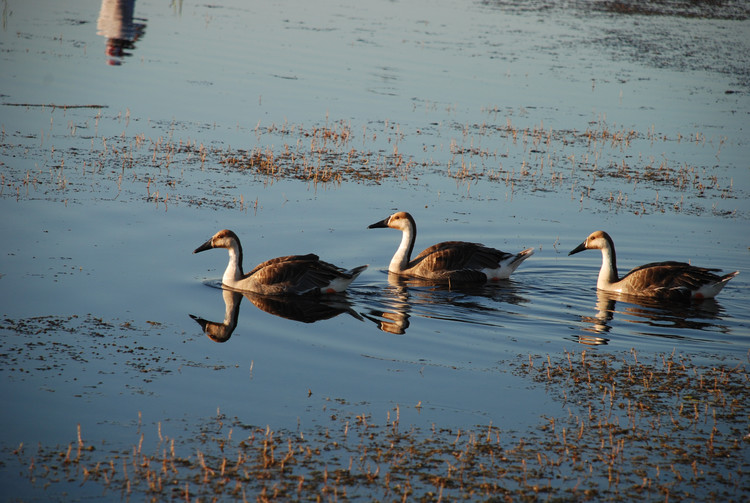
(511, 127)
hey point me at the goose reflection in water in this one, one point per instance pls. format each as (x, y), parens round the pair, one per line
(302, 309)
(221, 332)
(661, 316)
(405, 296)
(600, 322)
(394, 315)
(116, 24)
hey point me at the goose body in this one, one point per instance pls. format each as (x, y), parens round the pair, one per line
(450, 261)
(290, 275)
(670, 279)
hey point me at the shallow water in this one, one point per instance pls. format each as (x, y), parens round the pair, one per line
(512, 127)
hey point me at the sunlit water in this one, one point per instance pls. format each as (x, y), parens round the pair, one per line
(96, 260)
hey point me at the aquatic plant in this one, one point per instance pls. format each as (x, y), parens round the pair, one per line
(666, 429)
(604, 166)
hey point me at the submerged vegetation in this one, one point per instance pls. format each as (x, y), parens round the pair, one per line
(321, 155)
(666, 429)
(605, 166)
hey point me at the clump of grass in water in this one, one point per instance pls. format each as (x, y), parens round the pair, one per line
(663, 429)
(537, 158)
(543, 161)
(328, 159)
(666, 427)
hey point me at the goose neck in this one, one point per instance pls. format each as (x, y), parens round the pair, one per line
(234, 267)
(402, 257)
(608, 272)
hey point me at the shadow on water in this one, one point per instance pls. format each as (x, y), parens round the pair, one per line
(122, 30)
(305, 309)
(465, 303)
(659, 318)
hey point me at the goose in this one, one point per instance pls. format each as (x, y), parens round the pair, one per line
(291, 275)
(671, 279)
(450, 261)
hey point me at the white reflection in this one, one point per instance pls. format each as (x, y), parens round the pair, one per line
(116, 24)
(394, 318)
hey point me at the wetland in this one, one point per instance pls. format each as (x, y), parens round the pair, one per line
(133, 131)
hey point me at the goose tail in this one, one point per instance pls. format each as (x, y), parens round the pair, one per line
(357, 271)
(523, 255)
(508, 265)
(518, 258)
(711, 290)
(343, 281)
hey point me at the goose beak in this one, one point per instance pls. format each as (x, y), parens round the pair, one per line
(379, 225)
(578, 248)
(205, 246)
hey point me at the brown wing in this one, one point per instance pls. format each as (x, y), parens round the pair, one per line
(317, 275)
(296, 274)
(670, 278)
(273, 263)
(457, 256)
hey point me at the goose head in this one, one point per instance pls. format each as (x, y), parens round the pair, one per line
(222, 239)
(401, 221)
(597, 240)
(229, 240)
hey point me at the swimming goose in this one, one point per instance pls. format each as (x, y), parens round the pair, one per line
(291, 275)
(657, 279)
(451, 261)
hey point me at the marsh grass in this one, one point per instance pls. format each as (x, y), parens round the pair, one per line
(605, 166)
(666, 429)
(608, 165)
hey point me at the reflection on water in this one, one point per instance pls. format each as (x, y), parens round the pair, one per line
(662, 319)
(303, 309)
(116, 24)
(404, 296)
(221, 332)
(390, 308)
(394, 316)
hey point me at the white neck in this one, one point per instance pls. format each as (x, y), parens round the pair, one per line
(400, 260)
(234, 268)
(608, 272)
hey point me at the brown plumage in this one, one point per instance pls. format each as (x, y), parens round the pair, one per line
(290, 275)
(676, 280)
(450, 261)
